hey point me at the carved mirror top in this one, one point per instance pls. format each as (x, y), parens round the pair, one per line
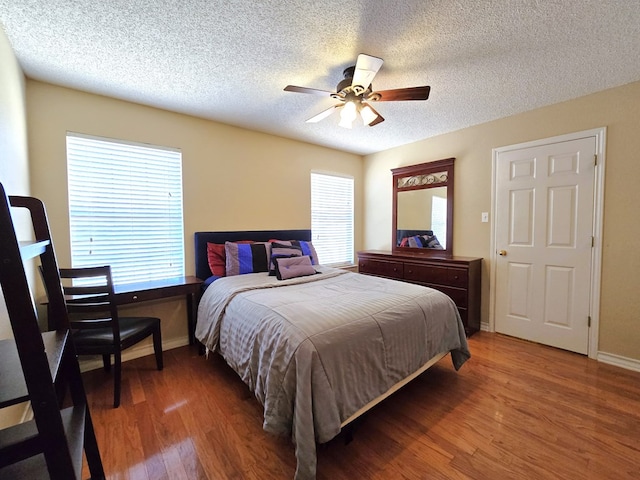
(423, 222)
(430, 179)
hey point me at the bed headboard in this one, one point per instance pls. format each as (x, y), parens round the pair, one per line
(410, 233)
(201, 239)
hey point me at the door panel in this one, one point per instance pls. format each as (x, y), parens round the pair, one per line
(544, 228)
(519, 285)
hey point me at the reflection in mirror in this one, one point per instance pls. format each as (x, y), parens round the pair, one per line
(423, 208)
(423, 213)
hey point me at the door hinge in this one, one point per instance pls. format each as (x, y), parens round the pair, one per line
(595, 159)
(593, 241)
(589, 321)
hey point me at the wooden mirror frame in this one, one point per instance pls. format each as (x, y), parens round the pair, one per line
(423, 177)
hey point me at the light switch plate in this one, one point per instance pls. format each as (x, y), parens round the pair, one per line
(485, 217)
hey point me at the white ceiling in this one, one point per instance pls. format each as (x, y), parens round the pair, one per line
(229, 60)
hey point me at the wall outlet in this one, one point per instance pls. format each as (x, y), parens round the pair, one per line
(485, 217)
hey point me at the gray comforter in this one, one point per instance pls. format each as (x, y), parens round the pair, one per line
(315, 349)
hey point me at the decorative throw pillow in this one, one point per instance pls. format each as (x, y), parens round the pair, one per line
(306, 247)
(216, 258)
(294, 267)
(244, 258)
(431, 241)
(424, 241)
(278, 250)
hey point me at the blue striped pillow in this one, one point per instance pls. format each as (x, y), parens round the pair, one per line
(306, 247)
(247, 257)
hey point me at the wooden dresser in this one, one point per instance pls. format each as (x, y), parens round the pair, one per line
(458, 277)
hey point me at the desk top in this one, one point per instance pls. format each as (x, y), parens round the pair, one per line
(187, 283)
(156, 289)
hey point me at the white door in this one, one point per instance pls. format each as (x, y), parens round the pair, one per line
(544, 230)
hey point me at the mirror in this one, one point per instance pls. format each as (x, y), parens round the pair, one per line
(423, 208)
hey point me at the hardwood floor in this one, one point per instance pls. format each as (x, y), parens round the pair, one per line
(516, 410)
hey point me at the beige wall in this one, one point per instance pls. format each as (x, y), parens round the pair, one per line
(617, 109)
(14, 173)
(233, 179)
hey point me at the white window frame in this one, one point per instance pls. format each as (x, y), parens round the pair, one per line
(332, 218)
(125, 207)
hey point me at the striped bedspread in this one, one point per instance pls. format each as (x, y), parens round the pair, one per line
(315, 349)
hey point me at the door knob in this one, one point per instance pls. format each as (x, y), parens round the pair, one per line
(502, 253)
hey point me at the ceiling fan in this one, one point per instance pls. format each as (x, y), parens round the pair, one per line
(356, 94)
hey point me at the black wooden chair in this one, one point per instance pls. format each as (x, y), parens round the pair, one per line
(97, 329)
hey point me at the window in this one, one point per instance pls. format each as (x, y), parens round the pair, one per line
(332, 218)
(439, 219)
(125, 208)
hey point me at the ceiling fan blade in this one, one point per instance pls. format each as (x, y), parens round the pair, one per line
(366, 68)
(324, 114)
(378, 119)
(399, 94)
(315, 91)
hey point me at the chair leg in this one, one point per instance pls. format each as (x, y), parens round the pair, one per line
(106, 362)
(157, 348)
(117, 378)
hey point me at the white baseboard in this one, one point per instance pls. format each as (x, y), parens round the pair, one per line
(93, 363)
(619, 361)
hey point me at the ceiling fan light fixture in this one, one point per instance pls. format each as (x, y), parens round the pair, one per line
(345, 123)
(367, 114)
(355, 94)
(348, 114)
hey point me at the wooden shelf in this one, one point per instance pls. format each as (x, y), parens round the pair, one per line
(13, 389)
(20, 444)
(40, 367)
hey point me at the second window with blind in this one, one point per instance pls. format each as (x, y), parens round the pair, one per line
(332, 218)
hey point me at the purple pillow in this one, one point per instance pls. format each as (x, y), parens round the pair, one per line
(279, 250)
(294, 267)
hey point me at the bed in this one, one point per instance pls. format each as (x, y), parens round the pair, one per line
(319, 350)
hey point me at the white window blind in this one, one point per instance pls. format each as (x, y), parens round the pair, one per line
(125, 208)
(439, 219)
(332, 218)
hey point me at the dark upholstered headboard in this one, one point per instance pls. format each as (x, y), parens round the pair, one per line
(201, 239)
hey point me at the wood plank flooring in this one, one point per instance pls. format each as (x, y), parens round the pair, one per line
(516, 410)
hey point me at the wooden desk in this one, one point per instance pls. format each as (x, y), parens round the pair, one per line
(158, 289)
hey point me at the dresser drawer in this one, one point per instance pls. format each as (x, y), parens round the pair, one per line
(425, 273)
(457, 277)
(458, 295)
(382, 268)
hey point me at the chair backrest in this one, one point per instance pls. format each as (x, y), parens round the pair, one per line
(90, 298)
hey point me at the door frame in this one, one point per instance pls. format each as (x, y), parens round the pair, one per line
(598, 210)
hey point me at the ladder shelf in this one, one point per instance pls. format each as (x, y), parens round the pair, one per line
(40, 367)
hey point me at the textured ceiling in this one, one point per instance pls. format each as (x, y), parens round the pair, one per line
(229, 60)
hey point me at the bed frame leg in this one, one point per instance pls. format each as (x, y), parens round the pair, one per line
(348, 436)
(349, 430)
